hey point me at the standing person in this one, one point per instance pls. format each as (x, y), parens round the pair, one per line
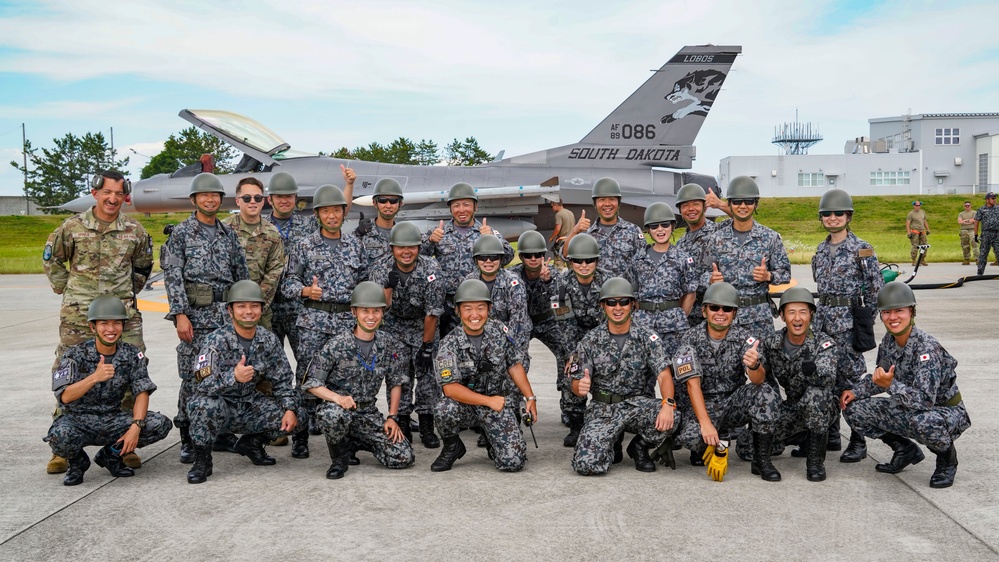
(200, 261)
(618, 239)
(987, 224)
(374, 235)
(478, 367)
(749, 256)
(924, 402)
(691, 202)
(509, 296)
(847, 277)
(917, 228)
(414, 291)
(451, 244)
(346, 376)
(323, 269)
(90, 383)
(565, 221)
(614, 362)
(969, 242)
(99, 251)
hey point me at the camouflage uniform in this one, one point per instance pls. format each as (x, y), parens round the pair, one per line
(485, 371)
(736, 262)
(584, 315)
(509, 307)
(694, 244)
(924, 402)
(620, 394)
(220, 404)
(193, 261)
(969, 247)
(285, 311)
(265, 258)
(340, 368)
(618, 245)
(419, 296)
(96, 417)
(731, 401)
(115, 261)
(989, 228)
(376, 244)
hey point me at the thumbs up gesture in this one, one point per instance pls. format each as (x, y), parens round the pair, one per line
(104, 371)
(243, 372)
(583, 224)
(716, 276)
(583, 386)
(438, 234)
(484, 229)
(883, 378)
(313, 292)
(760, 272)
(752, 356)
(349, 175)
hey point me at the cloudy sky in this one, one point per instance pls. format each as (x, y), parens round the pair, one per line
(519, 76)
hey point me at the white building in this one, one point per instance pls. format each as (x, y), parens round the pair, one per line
(933, 153)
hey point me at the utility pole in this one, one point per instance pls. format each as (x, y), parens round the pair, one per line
(24, 151)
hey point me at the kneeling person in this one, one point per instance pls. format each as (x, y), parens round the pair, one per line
(347, 374)
(89, 383)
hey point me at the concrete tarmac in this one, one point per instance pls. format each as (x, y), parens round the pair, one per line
(475, 512)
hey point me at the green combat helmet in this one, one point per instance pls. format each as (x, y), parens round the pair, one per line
(606, 187)
(461, 191)
(836, 200)
(658, 212)
(206, 183)
(797, 294)
(743, 187)
(722, 294)
(244, 291)
(368, 294)
(616, 287)
(487, 245)
(472, 290)
(583, 246)
(895, 295)
(405, 234)
(282, 183)
(387, 186)
(690, 192)
(106, 307)
(532, 242)
(328, 196)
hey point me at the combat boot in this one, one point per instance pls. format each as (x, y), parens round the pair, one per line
(452, 450)
(107, 458)
(406, 425)
(815, 464)
(57, 465)
(224, 443)
(835, 442)
(638, 449)
(856, 450)
(352, 448)
(78, 465)
(300, 444)
(618, 452)
(575, 426)
(427, 435)
(906, 453)
(943, 476)
(202, 468)
(802, 440)
(762, 446)
(697, 457)
(252, 447)
(186, 445)
(338, 454)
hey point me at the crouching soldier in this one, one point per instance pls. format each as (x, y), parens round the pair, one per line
(347, 374)
(89, 383)
(232, 362)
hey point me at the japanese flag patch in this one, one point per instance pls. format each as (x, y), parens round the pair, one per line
(690, 260)
(924, 357)
(554, 305)
(751, 340)
(505, 329)
(654, 337)
(431, 278)
(140, 355)
(514, 283)
(826, 345)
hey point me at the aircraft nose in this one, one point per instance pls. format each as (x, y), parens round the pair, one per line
(78, 205)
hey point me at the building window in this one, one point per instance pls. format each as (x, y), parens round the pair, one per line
(948, 136)
(983, 171)
(889, 178)
(811, 180)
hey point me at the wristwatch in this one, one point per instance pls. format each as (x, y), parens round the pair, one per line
(669, 402)
(140, 423)
(532, 398)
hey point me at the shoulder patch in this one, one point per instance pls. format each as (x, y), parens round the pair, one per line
(554, 305)
(690, 260)
(751, 340)
(140, 355)
(47, 253)
(514, 283)
(504, 328)
(684, 364)
(826, 344)
(431, 278)
(865, 253)
(444, 363)
(924, 357)
(654, 337)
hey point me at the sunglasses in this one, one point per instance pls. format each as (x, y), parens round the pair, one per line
(737, 202)
(532, 256)
(254, 198)
(827, 214)
(488, 258)
(658, 225)
(579, 261)
(717, 307)
(618, 302)
(388, 200)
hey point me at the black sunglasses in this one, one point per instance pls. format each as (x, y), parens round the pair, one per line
(737, 202)
(254, 198)
(532, 255)
(488, 258)
(826, 214)
(624, 301)
(389, 200)
(582, 260)
(717, 307)
(658, 225)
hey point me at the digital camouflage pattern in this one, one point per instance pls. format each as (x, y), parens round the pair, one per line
(658, 279)
(618, 245)
(509, 306)
(694, 244)
(284, 311)
(454, 252)
(988, 217)
(811, 402)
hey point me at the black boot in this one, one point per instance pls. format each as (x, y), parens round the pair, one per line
(186, 445)
(638, 449)
(481, 440)
(427, 435)
(202, 468)
(697, 457)
(338, 454)
(406, 425)
(575, 426)
(762, 446)
(453, 450)
(815, 464)
(835, 442)
(224, 443)
(943, 476)
(906, 453)
(106, 458)
(618, 452)
(252, 447)
(352, 448)
(78, 465)
(300, 444)
(314, 428)
(856, 450)
(802, 441)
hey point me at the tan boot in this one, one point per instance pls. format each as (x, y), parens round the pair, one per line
(57, 465)
(132, 460)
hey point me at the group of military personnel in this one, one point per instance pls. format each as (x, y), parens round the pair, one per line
(673, 343)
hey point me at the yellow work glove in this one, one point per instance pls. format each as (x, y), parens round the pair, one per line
(717, 464)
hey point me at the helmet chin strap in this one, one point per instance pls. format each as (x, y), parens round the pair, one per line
(206, 212)
(834, 229)
(718, 327)
(618, 322)
(365, 328)
(105, 342)
(902, 332)
(248, 324)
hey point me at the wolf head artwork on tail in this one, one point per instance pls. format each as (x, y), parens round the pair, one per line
(700, 88)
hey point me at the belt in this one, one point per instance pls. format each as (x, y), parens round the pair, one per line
(546, 315)
(751, 300)
(833, 300)
(327, 306)
(609, 397)
(658, 306)
(954, 400)
(364, 405)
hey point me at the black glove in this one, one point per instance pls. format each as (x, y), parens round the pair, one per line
(394, 278)
(425, 356)
(363, 226)
(976, 239)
